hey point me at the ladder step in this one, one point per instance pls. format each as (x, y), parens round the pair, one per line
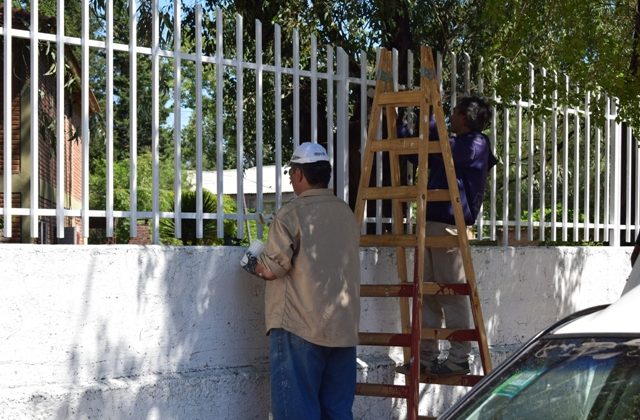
(406, 289)
(404, 98)
(457, 380)
(431, 288)
(403, 146)
(449, 334)
(388, 240)
(387, 290)
(426, 418)
(438, 195)
(404, 192)
(384, 339)
(382, 390)
(441, 241)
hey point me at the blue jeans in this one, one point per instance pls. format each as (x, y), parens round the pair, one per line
(308, 381)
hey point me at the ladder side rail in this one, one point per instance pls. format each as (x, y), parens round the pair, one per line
(398, 225)
(374, 124)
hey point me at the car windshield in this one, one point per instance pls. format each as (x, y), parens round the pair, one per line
(565, 378)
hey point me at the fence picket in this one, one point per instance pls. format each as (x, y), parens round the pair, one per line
(627, 204)
(342, 140)
(543, 165)
(240, 202)
(34, 96)
(133, 122)
(60, 125)
(587, 162)
(554, 159)
(576, 174)
(84, 45)
(530, 157)
(278, 110)
(505, 180)
(518, 174)
(314, 90)
(296, 88)
(259, 131)
(219, 127)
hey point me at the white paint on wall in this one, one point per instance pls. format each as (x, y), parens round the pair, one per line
(178, 332)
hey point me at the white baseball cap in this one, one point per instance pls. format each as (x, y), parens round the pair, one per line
(309, 153)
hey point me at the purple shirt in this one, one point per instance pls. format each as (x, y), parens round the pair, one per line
(472, 158)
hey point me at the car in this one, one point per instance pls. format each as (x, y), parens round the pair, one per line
(586, 366)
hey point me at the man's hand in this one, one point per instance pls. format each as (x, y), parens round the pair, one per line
(249, 262)
(256, 268)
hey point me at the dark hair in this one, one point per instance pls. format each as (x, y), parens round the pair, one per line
(318, 174)
(476, 111)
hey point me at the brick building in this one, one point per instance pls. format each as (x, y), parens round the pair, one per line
(21, 157)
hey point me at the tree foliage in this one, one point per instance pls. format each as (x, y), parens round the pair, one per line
(595, 43)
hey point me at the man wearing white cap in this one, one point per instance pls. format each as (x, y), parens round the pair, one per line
(311, 261)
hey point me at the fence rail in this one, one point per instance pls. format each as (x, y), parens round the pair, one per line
(569, 174)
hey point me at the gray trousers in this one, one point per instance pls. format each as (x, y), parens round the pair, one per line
(444, 265)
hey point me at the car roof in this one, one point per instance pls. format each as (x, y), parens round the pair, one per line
(621, 317)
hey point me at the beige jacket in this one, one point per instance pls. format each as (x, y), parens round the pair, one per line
(313, 248)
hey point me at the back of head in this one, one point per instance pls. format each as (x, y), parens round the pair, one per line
(476, 111)
(313, 160)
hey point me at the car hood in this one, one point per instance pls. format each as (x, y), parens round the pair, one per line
(621, 317)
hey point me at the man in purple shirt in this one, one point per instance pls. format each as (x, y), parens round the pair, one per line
(472, 158)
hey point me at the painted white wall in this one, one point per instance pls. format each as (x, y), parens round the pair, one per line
(178, 333)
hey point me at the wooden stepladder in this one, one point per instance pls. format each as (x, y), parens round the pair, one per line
(386, 103)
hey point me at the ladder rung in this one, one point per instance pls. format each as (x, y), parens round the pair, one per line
(426, 418)
(388, 240)
(406, 289)
(404, 98)
(382, 390)
(430, 288)
(403, 146)
(440, 241)
(387, 290)
(449, 334)
(385, 339)
(438, 195)
(434, 147)
(391, 193)
(459, 380)
(404, 192)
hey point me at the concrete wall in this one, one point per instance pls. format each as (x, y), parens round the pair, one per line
(128, 332)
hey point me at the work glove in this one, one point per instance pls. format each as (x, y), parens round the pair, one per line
(250, 258)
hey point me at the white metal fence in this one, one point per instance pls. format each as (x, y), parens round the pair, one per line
(561, 176)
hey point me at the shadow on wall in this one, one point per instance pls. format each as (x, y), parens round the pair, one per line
(537, 286)
(153, 337)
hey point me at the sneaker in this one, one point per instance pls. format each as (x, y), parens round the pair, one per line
(448, 368)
